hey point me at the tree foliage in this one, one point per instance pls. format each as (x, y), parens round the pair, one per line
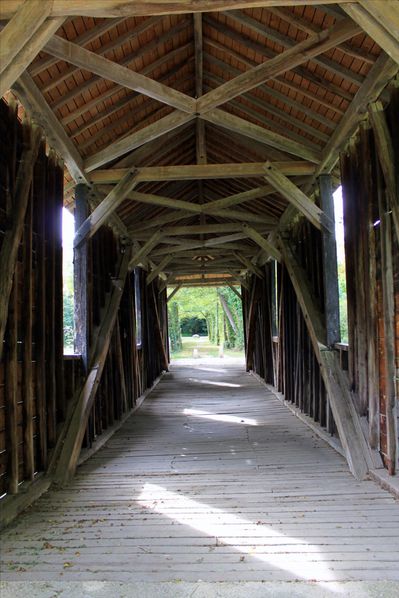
(174, 328)
(203, 303)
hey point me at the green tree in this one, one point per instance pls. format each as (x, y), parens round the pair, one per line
(210, 303)
(174, 327)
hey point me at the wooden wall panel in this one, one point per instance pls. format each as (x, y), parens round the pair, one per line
(31, 381)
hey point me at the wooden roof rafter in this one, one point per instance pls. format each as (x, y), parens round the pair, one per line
(242, 86)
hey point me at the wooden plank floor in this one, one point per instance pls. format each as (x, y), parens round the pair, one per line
(214, 480)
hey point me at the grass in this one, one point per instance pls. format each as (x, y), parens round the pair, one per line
(204, 349)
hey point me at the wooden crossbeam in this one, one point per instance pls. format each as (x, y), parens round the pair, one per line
(137, 138)
(238, 198)
(13, 234)
(346, 419)
(167, 202)
(145, 250)
(380, 20)
(234, 123)
(106, 208)
(383, 70)
(297, 198)
(112, 71)
(226, 240)
(173, 293)
(248, 264)
(385, 153)
(34, 102)
(76, 424)
(141, 8)
(186, 172)
(232, 287)
(251, 325)
(23, 25)
(159, 268)
(262, 242)
(157, 331)
(27, 52)
(313, 46)
(198, 229)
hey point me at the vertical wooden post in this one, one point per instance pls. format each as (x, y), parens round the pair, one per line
(40, 315)
(80, 259)
(330, 270)
(389, 337)
(51, 363)
(11, 373)
(58, 293)
(27, 382)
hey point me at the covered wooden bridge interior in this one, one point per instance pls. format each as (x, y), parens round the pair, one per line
(197, 142)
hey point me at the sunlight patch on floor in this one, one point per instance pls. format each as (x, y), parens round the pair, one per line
(221, 417)
(225, 527)
(213, 383)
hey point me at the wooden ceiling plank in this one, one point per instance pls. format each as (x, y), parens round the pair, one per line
(154, 152)
(112, 71)
(117, 105)
(309, 27)
(238, 104)
(19, 30)
(295, 56)
(150, 108)
(82, 40)
(239, 125)
(117, 43)
(28, 52)
(274, 93)
(34, 102)
(285, 41)
(136, 139)
(243, 41)
(297, 198)
(106, 208)
(116, 8)
(380, 21)
(383, 70)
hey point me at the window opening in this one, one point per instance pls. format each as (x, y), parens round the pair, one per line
(138, 307)
(340, 236)
(68, 231)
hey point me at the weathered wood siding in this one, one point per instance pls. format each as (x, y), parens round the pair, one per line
(369, 233)
(37, 382)
(283, 352)
(32, 398)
